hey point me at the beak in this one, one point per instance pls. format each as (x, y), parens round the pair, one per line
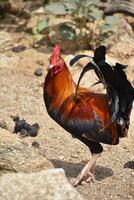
(50, 67)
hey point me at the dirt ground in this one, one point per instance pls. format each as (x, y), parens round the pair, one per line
(21, 93)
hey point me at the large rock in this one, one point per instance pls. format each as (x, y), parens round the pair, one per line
(44, 185)
(15, 155)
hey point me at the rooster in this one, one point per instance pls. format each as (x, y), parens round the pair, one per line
(84, 116)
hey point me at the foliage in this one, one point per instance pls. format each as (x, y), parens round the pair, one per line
(67, 31)
(40, 26)
(109, 27)
(2, 2)
(78, 8)
(110, 24)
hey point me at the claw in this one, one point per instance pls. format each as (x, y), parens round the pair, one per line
(87, 173)
(90, 178)
(84, 177)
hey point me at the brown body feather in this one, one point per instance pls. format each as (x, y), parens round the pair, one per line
(92, 107)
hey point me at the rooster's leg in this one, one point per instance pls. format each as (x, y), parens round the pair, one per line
(87, 173)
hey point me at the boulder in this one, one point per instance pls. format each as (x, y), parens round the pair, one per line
(16, 155)
(45, 185)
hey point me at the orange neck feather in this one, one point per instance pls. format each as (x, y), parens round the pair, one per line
(59, 87)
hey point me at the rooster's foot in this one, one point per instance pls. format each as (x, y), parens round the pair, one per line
(87, 173)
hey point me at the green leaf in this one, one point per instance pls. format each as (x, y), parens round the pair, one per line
(95, 13)
(88, 3)
(43, 24)
(56, 8)
(113, 20)
(67, 31)
(110, 24)
(70, 6)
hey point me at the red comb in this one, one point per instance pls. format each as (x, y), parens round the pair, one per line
(56, 50)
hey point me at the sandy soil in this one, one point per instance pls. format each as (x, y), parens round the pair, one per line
(21, 93)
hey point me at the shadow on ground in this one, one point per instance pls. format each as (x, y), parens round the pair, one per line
(73, 169)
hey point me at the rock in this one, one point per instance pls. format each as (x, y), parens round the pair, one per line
(33, 131)
(39, 11)
(23, 133)
(15, 155)
(61, 157)
(24, 128)
(19, 125)
(120, 49)
(35, 144)
(65, 34)
(38, 71)
(19, 48)
(129, 164)
(44, 185)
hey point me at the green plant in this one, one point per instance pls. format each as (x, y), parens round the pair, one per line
(78, 8)
(40, 26)
(109, 29)
(110, 24)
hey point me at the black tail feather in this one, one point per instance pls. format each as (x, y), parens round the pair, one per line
(119, 90)
(99, 54)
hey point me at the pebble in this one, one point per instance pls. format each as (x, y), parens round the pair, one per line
(19, 48)
(36, 125)
(25, 129)
(19, 125)
(35, 144)
(26, 126)
(38, 71)
(33, 132)
(23, 133)
(61, 157)
(129, 164)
